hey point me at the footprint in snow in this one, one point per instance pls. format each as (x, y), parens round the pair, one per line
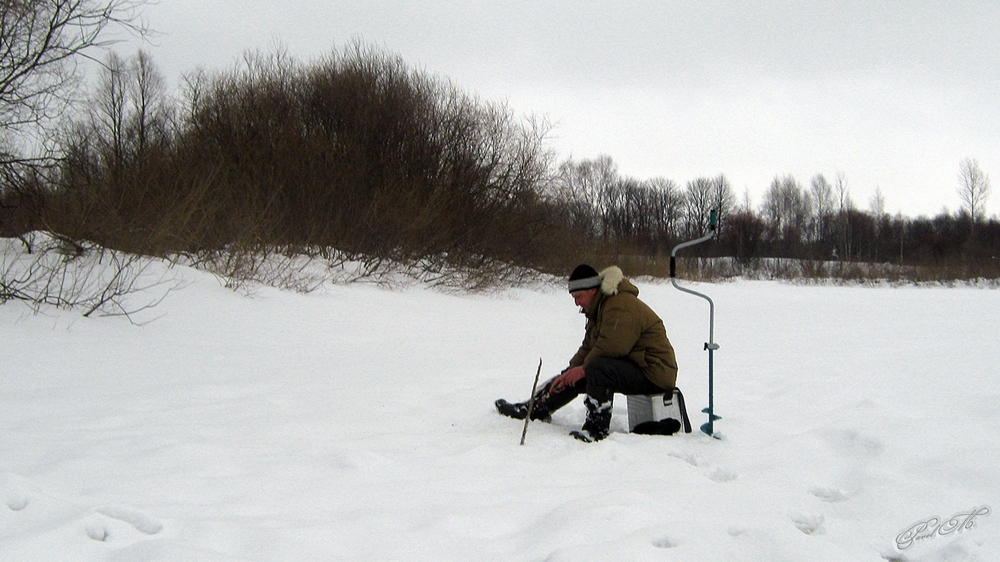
(15, 494)
(142, 522)
(664, 542)
(97, 530)
(714, 473)
(829, 494)
(100, 526)
(16, 502)
(719, 474)
(809, 524)
(852, 443)
(692, 460)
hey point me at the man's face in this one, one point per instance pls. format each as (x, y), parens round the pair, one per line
(584, 299)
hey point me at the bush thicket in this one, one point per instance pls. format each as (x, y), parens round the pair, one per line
(354, 152)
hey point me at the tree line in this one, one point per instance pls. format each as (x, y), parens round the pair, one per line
(819, 222)
(358, 158)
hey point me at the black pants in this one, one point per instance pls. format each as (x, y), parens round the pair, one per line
(604, 377)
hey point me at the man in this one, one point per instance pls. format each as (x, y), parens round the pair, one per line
(625, 350)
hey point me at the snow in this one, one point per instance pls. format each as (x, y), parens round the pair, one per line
(357, 423)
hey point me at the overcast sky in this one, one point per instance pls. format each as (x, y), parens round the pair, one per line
(892, 94)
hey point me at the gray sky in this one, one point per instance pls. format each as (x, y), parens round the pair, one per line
(893, 94)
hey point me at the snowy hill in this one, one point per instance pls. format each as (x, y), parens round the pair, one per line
(356, 423)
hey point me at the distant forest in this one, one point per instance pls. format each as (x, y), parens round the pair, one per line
(357, 157)
(818, 223)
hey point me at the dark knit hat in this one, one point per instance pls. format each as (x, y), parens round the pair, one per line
(584, 277)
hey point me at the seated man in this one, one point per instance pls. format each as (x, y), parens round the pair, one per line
(625, 350)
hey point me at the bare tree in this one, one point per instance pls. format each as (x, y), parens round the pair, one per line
(845, 205)
(668, 205)
(129, 109)
(844, 202)
(877, 204)
(880, 220)
(973, 188)
(821, 193)
(786, 209)
(41, 43)
(699, 198)
(746, 206)
(587, 187)
(723, 198)
(109, 114)
(149, 100)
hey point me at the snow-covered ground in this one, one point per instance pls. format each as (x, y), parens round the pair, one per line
(357, 423)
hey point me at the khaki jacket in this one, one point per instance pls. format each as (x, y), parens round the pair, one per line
(622, 326)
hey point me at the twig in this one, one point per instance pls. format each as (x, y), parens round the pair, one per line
(531, 401)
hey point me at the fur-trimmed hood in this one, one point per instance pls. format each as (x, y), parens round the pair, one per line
(613, 281)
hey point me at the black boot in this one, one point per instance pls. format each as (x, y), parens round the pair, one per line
(519, 410)
(545, 402)
(598, 423)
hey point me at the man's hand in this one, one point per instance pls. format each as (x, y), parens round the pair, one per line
(569, 377)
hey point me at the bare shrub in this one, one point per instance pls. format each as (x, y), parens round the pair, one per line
(72, 274)
(354, 152)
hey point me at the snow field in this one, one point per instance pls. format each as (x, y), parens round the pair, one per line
(356, 423)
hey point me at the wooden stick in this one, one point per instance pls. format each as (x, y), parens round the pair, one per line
(531, 401)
